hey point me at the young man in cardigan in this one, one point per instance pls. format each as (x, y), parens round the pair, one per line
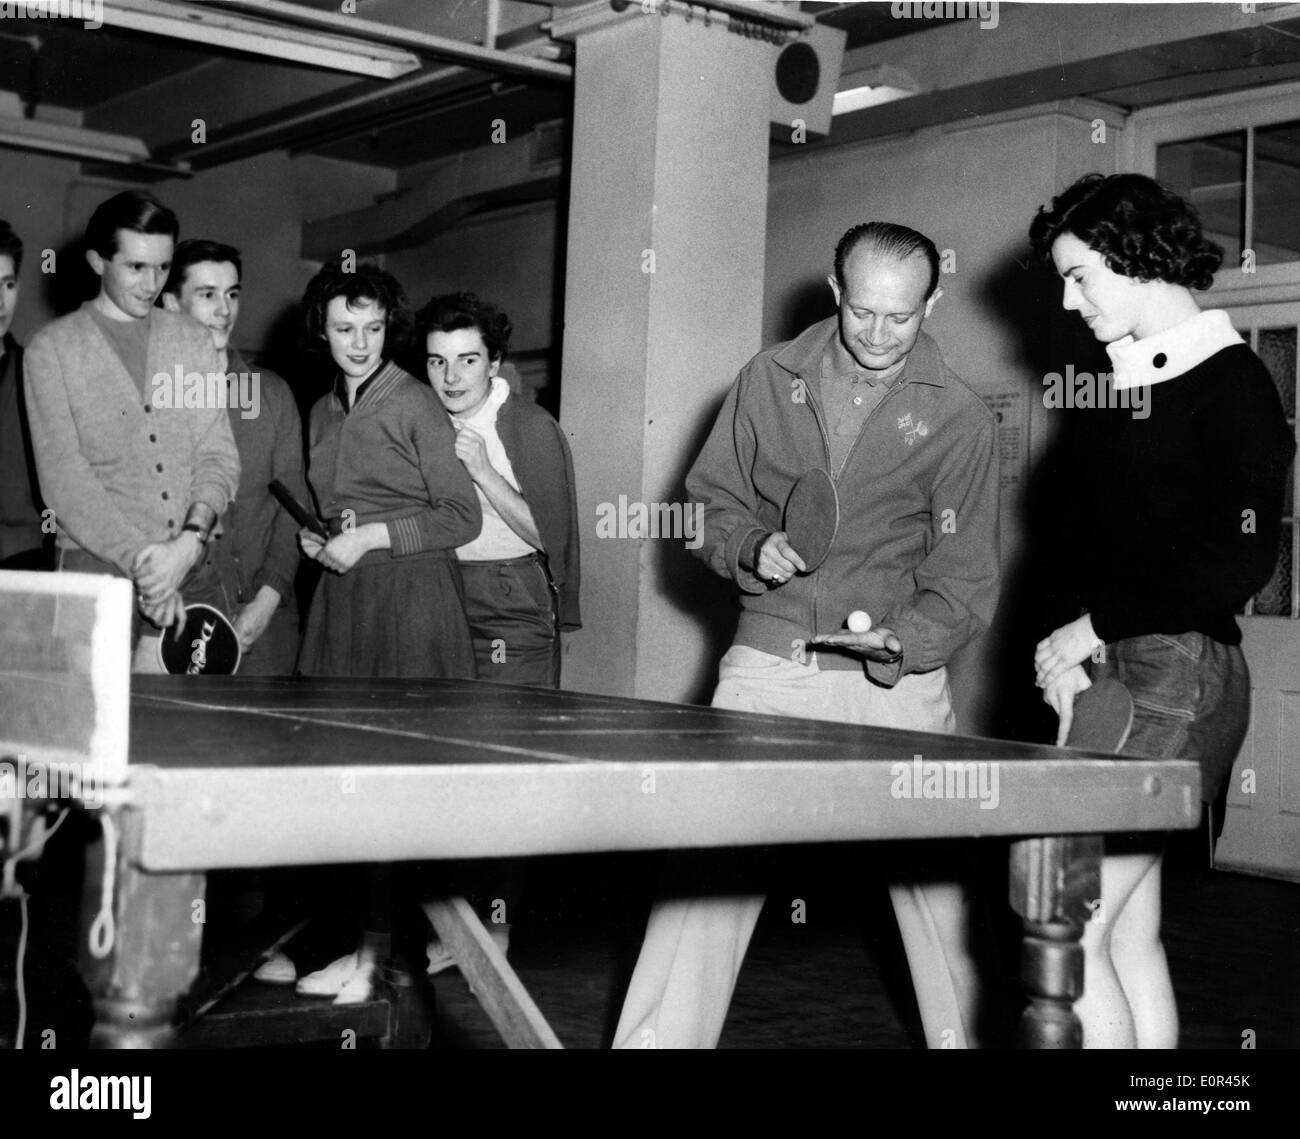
(257, 553)
(135, 481)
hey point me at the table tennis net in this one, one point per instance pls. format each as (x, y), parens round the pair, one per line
(65, 662)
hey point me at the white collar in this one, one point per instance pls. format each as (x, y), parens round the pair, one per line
(487, 411)
(1171, 353)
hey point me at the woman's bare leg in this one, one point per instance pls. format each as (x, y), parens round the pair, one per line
(1105, 1009)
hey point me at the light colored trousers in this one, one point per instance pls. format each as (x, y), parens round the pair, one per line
(693, 947)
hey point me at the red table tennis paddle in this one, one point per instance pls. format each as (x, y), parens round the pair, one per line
(812, 516)
(1103, 717)
(206, 646)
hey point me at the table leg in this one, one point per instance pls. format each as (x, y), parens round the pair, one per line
(1053, 881)
(137, 976)
(499, 990)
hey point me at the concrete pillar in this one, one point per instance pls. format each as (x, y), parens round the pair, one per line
(663, 304)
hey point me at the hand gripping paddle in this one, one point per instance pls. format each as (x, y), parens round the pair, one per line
(207, 645)
(1103, 717)
(812, 516)
(299, 513)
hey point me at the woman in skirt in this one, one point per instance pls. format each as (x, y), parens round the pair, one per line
(383, 468)
(382, 465)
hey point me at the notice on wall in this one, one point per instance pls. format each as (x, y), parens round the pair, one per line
(1013, 430)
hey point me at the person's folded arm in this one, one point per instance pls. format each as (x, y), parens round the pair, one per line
(957, 582)
(453, 516)
(719, 482)
(214, 464)
(280, 566)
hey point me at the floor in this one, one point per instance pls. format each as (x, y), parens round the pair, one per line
(839, 979)
(836, 978)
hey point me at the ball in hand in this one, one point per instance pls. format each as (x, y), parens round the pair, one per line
(859, 622)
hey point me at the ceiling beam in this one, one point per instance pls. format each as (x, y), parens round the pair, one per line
(202, 24)
(434, 47)
(1046, 53)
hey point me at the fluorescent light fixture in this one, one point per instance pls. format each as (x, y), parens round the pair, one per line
(856, 98)
(73, 142)
(874, 86)
(199, 24)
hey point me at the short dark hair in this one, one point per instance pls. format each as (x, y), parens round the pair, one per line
(1141, 229)
(367, 282)
(890, 240)
(11, 245)
(453, 311)
(136, 210)
(194, 251)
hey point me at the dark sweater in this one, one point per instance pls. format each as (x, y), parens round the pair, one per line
(540, 458)
(260, 539)
(1166, 544)
(20, 504)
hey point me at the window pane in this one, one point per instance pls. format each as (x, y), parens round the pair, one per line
(1277, 193)
(1211, 173)
(1277, 350)
(1274, 600)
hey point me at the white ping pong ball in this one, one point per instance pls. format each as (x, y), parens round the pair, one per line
(859, 622)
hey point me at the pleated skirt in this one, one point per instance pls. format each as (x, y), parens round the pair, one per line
(389, 617)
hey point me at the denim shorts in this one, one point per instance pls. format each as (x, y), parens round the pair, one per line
(1191, 700)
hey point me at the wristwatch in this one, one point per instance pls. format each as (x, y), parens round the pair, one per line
(195, 528)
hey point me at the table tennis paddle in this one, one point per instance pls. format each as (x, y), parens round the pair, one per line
(304, 517)
(812, 516)
(1103, 717)
(207, 644)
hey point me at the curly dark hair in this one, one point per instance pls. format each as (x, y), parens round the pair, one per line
(1142, 229)
(453, 311)
(368, 282)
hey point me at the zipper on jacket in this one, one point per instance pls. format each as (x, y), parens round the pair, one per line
(835, 475)
(826, 450)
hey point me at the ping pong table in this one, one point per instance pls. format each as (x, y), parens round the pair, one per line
(244, 772)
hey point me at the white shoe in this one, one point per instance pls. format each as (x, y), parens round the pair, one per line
(360, 987)
(277, 969)
(330, 981)
(440, 959)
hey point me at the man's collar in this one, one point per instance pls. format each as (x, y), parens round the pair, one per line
(235, 361)
(803, 355)
(1173, 352)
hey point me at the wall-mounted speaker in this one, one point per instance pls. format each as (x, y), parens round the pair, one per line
(803, 87)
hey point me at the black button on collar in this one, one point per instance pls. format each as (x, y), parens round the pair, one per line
(1160, 360)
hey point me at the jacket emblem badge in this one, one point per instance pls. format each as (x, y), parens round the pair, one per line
(912, 431)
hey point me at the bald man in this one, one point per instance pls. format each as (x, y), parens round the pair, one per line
(866, 396)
